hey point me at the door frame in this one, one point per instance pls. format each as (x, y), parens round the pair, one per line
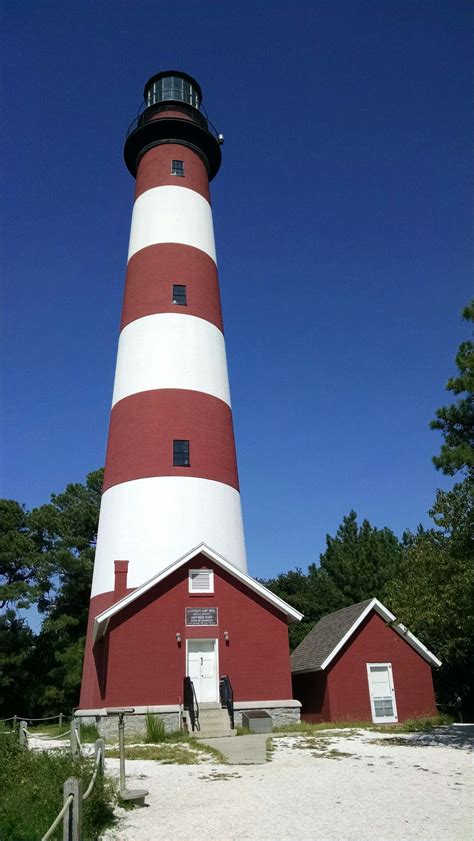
(215, 640)
(386, 719)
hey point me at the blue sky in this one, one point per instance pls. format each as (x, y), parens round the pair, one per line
(341, 216)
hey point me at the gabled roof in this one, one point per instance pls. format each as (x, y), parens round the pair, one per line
(102, 620)
(330, 634)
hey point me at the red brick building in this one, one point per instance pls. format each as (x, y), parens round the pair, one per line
(202, 617)
(359, 664)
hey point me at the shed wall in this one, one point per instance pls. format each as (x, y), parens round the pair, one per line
(376, 642)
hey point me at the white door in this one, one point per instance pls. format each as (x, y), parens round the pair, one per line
(382, 693)
(202, 668)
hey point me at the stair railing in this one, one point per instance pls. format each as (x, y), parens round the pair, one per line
(191, 703)
(227, 697)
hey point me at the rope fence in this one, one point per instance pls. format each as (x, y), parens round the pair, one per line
(46, 738)
(59, 817)
(71, 811)
(15, 718)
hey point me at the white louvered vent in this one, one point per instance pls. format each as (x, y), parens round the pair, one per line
(201, 581)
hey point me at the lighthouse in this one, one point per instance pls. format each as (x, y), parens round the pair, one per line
(171, 597)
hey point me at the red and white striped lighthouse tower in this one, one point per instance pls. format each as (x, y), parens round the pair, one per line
(170, 588)
(171, 473)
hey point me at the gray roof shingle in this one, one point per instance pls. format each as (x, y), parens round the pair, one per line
(326, 634)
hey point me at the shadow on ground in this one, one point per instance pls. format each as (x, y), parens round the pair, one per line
(453, 736)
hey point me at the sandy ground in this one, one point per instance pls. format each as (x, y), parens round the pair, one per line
(308, 792)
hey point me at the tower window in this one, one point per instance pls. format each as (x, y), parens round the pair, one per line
(179, 295)
(181, 453)
(177, 168)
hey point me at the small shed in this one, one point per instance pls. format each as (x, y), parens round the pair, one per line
(359, 664)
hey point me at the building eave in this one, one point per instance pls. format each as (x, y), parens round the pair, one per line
(101, 621)
(417, 645)
(390, 619)
(373, 605)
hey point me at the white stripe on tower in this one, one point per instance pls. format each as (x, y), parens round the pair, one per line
(172, 214)
(158, 520)
(168, 350)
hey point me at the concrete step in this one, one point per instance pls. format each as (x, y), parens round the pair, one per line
(213, 716)
(213, 733)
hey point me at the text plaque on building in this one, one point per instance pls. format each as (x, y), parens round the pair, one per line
(201, 616)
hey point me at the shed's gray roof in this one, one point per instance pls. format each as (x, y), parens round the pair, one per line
(332, 632)
(325, 637)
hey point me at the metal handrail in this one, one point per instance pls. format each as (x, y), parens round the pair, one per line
(227, 697)
(191, 702)
(196, 708)
(168, 105)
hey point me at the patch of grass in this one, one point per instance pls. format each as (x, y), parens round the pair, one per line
(243, 731)
(49, 729)
(270, 748)
(423, 723)
(426, 723)
(155, 729)
(306, 727)
(88, 733)
(31, 783)
(212, 752)
(167, 754)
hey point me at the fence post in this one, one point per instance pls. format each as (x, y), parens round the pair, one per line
(99, 745)
(72, 821)
(73, 738)
(14, 722)
(60, 719)
(22, 735)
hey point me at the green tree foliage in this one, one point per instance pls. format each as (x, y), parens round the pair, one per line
(456, 421)
(313, 594)
(358, 564)
(361, 560)
(46, 559)
(24, 572)
(67, 527)
(433, 595)
(16, 664)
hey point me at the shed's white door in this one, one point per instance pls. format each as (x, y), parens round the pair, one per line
(202, 668)
(382, 692)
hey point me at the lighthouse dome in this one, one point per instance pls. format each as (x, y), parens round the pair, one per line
(172, 85)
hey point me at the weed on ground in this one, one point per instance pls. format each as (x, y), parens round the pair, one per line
(422, 724)
(31, 783)
(220, 775)
(189, 753)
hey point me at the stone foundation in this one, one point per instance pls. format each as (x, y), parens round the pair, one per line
(281, 712)
(135, 723)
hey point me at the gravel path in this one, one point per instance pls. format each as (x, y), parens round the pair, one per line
(311, 791)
